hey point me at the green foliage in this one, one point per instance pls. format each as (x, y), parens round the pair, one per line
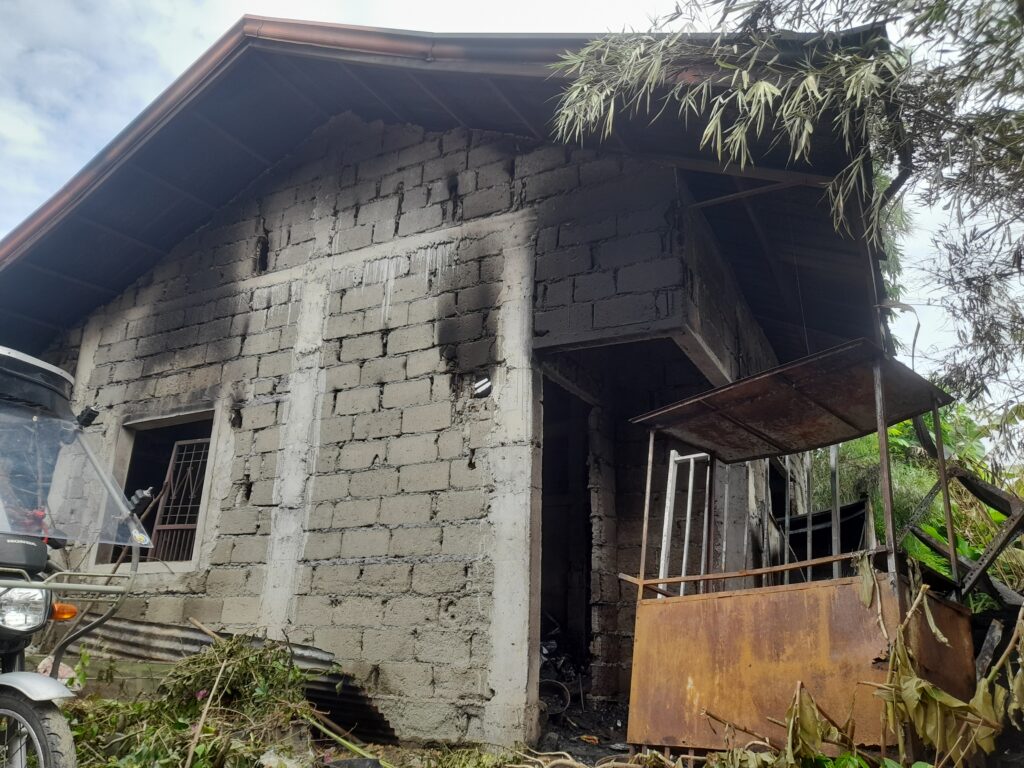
(940, 111)
(253, 699)
(916, 498)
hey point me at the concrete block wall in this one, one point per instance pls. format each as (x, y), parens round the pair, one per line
(361, 499)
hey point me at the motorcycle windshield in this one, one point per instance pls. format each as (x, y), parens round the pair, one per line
(52, 486)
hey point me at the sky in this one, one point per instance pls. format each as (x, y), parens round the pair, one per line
(73, 74)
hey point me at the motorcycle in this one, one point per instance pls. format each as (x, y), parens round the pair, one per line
(61, 512)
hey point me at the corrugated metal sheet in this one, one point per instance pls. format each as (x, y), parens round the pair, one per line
(336, 694)
(821, 400)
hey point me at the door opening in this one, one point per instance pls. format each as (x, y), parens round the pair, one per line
(565, 538)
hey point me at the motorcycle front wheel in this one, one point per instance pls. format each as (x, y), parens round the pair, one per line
(33, 734)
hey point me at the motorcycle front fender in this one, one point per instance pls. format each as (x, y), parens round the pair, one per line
(35, 686)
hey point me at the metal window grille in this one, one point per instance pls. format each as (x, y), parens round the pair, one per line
(177, 516)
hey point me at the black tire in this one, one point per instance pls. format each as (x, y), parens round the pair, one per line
(46, 731)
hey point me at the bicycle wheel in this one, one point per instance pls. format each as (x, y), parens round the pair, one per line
(33, 734)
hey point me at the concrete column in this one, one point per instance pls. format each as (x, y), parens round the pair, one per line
(300, 443)
(511, 714)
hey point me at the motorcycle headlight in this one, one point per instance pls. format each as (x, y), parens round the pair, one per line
(23, 608)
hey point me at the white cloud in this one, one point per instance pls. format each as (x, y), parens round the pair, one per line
(75, 73)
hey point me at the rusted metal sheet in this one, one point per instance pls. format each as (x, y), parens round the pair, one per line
(819, 400)
(739, 655)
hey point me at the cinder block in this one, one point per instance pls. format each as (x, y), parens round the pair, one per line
(249, 549)
(336, 430)
(334, 579)
(403, 393)
(415, 542)
(424, 477)
(624, 310)
(241, 610)
(651, 276)
(361, 455)
(405, 509)
(411, 611)
(374, 482)
(485, 202)
(383, 369)
(382, 645)
(330, 487)
(355, 513)
(423, 362)
(262, 343)
(379, 424)
(412, 449)
(385, 578)
(461, 505)
(420, 220)
(361, 400)
(552, 182)
(443, 647)
(259, 416)
(629, 250)
(277, 364)
(362, 347)
(411, 338)
(596, 285)
(360, 611)
(438, 578)
(427, 418)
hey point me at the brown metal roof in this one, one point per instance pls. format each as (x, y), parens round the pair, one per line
(266, 84)
(820, 400)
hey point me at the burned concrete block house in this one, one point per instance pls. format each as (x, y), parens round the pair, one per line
(383, 336)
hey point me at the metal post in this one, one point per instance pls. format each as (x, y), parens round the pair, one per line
(766, 515)
(647, 517)
(689, 522)
(785, 527)
(885, 476)
(725, 521)
(705, 554)
(669, 516)
(940, 452)
(833, 467)
(810, 514)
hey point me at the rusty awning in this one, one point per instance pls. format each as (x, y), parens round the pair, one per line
(819, 400)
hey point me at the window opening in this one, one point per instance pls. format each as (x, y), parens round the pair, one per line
(175, 456)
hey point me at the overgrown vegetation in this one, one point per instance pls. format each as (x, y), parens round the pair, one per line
(937, 107)
(916, 501)
(232, 705)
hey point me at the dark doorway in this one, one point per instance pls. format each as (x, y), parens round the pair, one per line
(565, 528)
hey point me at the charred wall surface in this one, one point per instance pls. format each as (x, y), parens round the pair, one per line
(335, 322)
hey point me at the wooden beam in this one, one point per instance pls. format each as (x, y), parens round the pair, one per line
(769, 569)
(292, 87)
(118, 234)
(437, 99)
(507, 101)
(170, 186)
(55, 275)
(657, 590)
(29, 319)
(231, 139)
(707, 165)
(743, 194)
(399, 116)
